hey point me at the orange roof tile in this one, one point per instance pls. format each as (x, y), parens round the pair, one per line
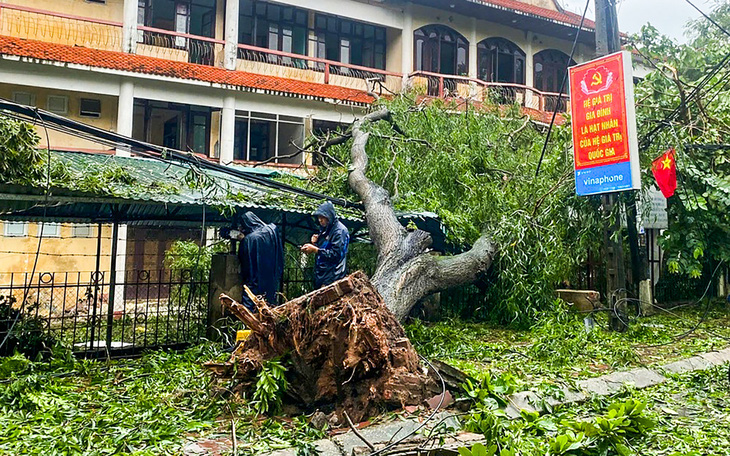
(151, 65)
(565, 17)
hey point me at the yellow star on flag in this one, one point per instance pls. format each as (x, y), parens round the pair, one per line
(667, 162)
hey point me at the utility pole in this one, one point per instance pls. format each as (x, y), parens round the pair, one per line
(607, 42)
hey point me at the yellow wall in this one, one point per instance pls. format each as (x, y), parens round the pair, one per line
(62, 141)
(62, 30)
(65, 253)
(111, 10)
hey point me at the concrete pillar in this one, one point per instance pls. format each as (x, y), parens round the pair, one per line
(228, 129)
(473, 70)
(231, 35)
(530, 100)
(407, 42)
(129, 28)
(646, 297)
(125, 112)
(125, 119)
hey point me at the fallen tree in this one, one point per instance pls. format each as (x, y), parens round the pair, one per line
(406, 271)
(513, 233)
(343, 347)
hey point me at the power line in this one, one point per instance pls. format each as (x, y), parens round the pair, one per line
(164, 154)
(560, 94)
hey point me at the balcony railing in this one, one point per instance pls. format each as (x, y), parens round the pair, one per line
(31, 23)
(313, 69)
(181, 47)
(450, 86)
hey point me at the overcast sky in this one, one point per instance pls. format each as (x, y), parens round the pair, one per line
(668, 16)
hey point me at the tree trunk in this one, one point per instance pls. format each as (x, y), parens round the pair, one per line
(406, 270)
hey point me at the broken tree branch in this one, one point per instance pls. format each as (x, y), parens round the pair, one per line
(356, 432)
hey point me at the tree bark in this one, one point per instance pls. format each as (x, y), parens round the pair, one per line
(406, 271)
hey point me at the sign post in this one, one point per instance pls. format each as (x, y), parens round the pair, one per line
(605, 141)
(606, 152)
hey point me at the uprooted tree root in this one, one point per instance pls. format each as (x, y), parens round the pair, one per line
(344, 346)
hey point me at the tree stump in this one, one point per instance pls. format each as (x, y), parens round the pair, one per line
(343, 347)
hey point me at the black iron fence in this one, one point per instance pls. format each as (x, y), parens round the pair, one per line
(100, 317)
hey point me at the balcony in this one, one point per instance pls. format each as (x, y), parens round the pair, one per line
(449, 86)
(35, 24)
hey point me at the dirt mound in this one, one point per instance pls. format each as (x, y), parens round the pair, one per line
(344, 347)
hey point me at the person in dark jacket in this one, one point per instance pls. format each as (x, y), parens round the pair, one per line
(261, 254)
(330, 246)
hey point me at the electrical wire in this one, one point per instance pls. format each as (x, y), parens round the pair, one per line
(560, 94)
(708, 18)
(164, 154)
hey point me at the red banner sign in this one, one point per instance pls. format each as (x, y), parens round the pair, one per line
(604, 126)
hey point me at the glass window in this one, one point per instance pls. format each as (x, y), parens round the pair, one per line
(50, 229)
(90, 107)
(58, 104)
(15, 229)
(24, 98)
(500, 60)
(83, 230)
(273, 27)
(550, 67)
(350, 42)
(440, 49)
(262, 136)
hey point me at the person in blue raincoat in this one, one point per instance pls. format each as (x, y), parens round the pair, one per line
(330, 246)
(261, 255)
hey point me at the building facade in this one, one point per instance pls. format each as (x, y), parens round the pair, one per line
(245, 81)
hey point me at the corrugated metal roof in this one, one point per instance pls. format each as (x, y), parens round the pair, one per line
(157, 193)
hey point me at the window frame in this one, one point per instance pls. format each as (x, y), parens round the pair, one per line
(88, 113)
(77, 226)
(8, 223)
(45, 225)
(58, 97)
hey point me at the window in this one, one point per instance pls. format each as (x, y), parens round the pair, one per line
(83, 230)
(348, 41)
(58, 104)
(260, 136)
(102, 2)
(177, 126)
(276, 27)
(90, 107)
(24, 98)
(550, 67)
(501, 60)
(439, 49)
(15, 229)
(50, 229)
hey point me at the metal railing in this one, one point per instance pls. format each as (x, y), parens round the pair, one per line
(85, 311)
(36, 24)
(271, 62)
(181, 47)
(451, 86)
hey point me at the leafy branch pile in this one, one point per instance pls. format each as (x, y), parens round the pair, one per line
(146, 406)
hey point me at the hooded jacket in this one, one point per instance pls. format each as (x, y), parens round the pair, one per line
(261, 255)
(330, 264)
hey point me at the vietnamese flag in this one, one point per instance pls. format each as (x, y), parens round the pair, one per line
(664, 169)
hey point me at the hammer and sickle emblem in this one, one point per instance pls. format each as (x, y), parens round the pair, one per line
(597, 79)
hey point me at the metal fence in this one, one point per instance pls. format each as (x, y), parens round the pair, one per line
(86, 311)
